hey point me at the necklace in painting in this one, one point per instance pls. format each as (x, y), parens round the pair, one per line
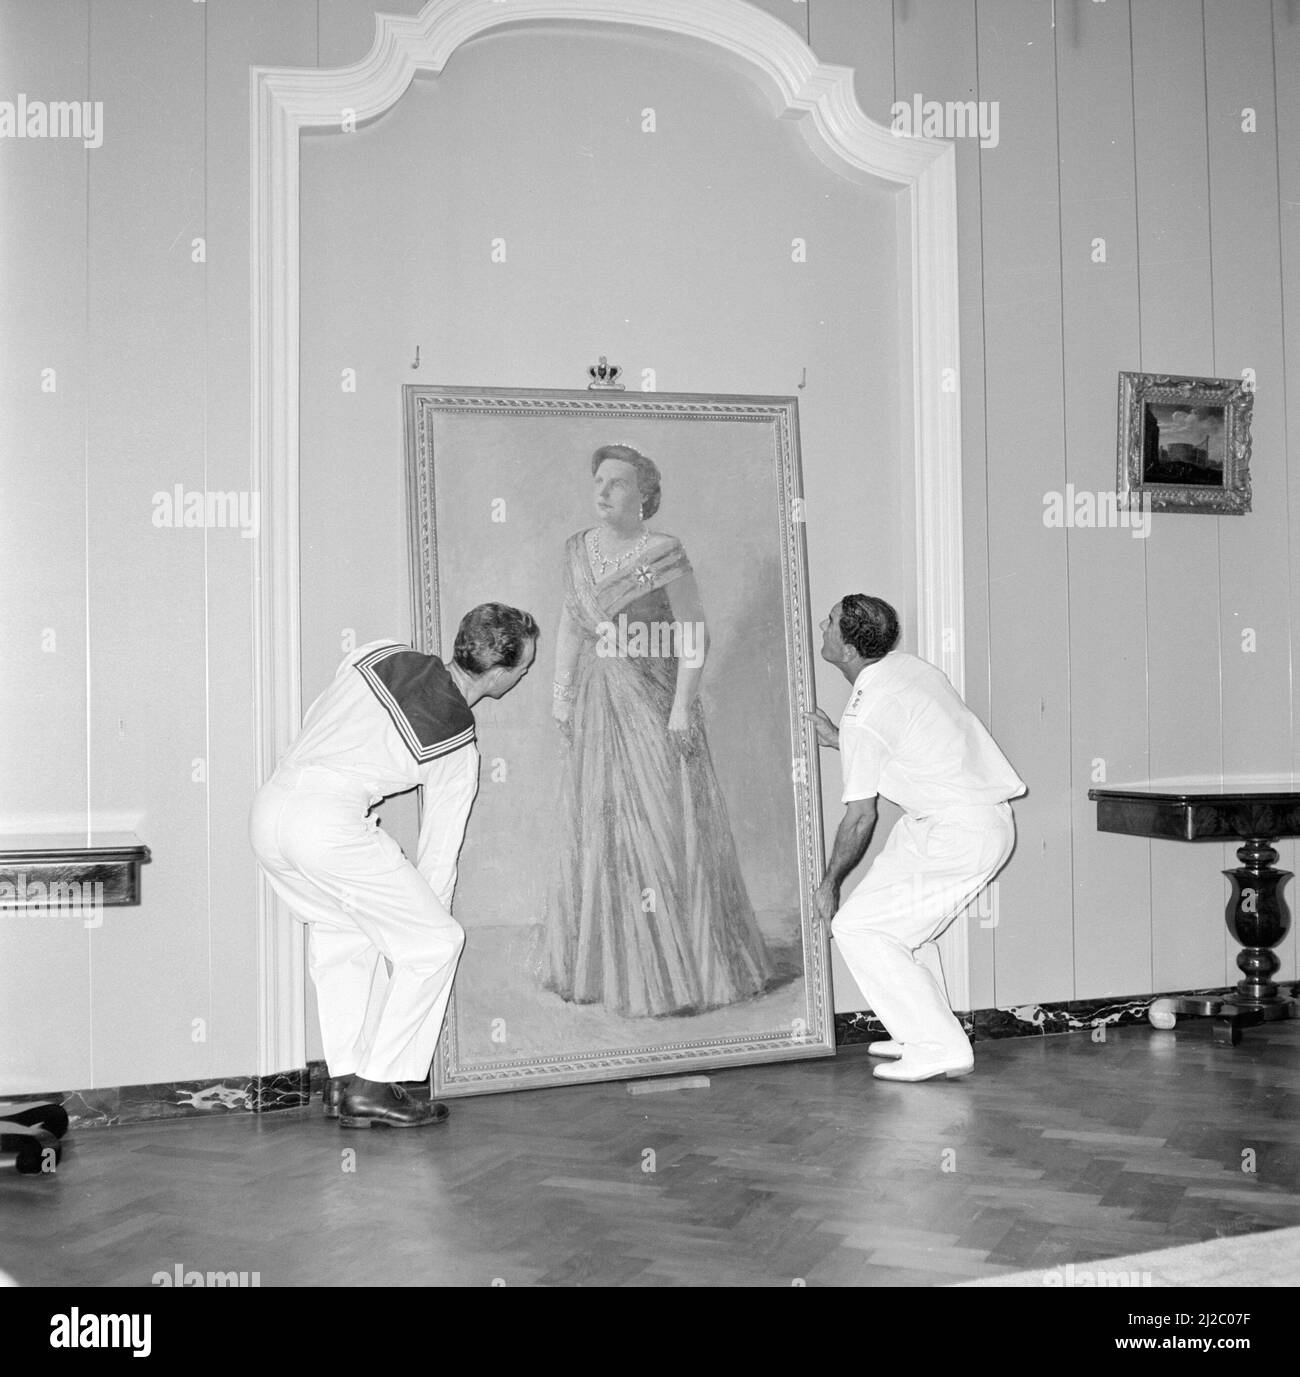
(616, 562)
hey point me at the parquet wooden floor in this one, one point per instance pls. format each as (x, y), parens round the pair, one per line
(1057, 1150)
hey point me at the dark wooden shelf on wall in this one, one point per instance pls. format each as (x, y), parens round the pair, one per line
(66, 868)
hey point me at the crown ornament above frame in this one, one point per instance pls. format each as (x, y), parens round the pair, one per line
(604, 376)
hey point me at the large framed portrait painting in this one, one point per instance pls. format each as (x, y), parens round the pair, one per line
(636, 883)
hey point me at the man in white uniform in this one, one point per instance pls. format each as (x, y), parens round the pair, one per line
(906, 735)
(392, 719)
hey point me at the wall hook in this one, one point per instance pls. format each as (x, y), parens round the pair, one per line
(416, 364)
(803, 382)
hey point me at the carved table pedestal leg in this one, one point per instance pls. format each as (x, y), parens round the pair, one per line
(1258, 917)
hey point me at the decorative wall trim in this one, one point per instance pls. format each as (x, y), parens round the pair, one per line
(819, 98)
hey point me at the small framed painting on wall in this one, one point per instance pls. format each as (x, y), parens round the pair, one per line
(1184, 443)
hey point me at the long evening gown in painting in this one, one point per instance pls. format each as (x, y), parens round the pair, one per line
(647, 912)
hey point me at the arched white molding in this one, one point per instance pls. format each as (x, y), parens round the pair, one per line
(820, 98)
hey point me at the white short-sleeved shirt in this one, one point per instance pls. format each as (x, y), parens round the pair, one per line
(907, 735)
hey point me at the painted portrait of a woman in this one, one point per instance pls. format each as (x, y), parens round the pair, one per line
(647, 912)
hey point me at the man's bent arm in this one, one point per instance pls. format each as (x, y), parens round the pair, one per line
(448, 797)
(851, 840)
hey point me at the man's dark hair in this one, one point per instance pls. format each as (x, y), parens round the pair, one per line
(869, 625)
(492, 634)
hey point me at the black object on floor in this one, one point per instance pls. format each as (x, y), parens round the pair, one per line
(27, 1150)
(53, 1118)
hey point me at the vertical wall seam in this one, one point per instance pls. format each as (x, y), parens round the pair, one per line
(1224, 850)
(893, 53)
(1065, 461)
(1146, 568)
(984, 389)
(207, 572)
(85, 440)
(1286, 429)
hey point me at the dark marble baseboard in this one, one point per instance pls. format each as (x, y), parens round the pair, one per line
(1026, 1020)
(129, 1104)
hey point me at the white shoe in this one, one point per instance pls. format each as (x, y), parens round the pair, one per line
(887, 1048)
(917, 1066)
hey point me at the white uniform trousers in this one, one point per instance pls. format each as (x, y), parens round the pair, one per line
(927, 872)
(364, 902)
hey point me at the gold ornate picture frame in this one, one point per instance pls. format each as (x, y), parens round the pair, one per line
(1184, 443)
(500, 497)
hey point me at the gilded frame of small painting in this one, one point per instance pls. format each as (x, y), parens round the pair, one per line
(637, 897)
(1184, 443)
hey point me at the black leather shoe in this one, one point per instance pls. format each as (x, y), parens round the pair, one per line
(332, 1094)
(368, 1104)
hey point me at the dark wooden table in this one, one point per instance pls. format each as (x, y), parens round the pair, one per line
(1257, 915)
